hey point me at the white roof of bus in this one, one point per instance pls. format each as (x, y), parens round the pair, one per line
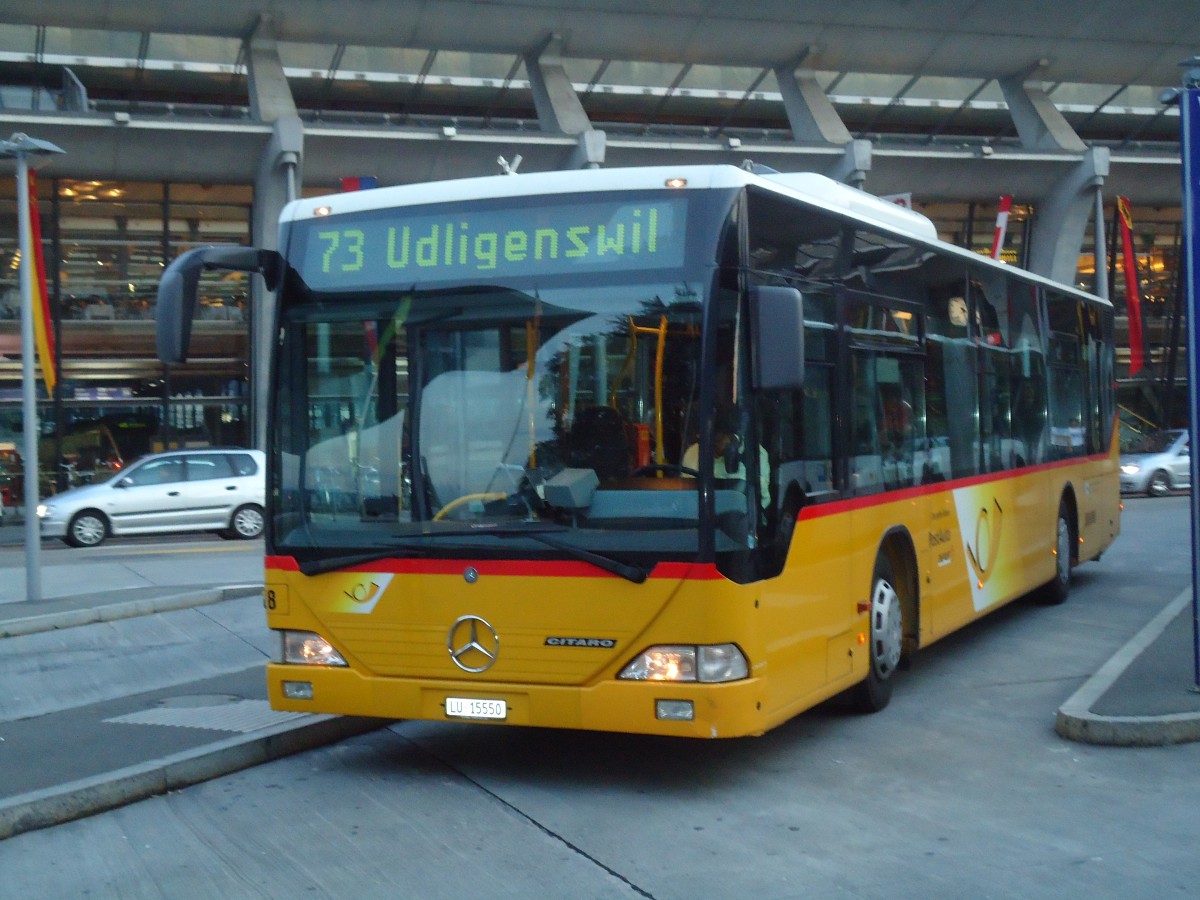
(818, 190)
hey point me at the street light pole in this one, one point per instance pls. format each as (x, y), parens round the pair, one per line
(1188, 98)
(21, 147)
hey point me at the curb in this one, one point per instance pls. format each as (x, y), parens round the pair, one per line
(1075, 720)
(64, 803)
(108, 612)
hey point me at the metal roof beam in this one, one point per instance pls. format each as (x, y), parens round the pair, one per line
(742, 100)
(1099, 106)
(494, 103)
(945, 123)
(892, 104)
(679, 76)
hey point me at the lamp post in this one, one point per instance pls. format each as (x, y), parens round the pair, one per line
(1188, 98)
(1189, 103)
(20, 147)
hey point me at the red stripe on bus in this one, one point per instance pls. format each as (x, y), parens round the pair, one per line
(509, 567)
(821, 510)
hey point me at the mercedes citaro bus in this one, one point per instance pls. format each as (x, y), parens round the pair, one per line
(673, 450)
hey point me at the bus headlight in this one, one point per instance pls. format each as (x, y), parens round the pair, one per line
(308, 649)
(686, 662)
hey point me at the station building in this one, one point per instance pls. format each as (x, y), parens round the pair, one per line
(187, 123)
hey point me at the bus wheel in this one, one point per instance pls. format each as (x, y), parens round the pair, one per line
(1057, 589)
(886, 641)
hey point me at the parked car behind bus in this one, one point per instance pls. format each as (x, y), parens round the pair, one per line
(218, 490)
(1157, 464)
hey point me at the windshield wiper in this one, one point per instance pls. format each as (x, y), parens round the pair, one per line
(633, 573)
(346, 561)
(540, 533)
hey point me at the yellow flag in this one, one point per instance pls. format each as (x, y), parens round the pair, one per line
(43, 326)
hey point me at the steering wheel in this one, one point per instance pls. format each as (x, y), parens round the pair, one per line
(485, 497)
(666, 469)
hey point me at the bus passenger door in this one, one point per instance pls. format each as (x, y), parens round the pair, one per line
(805, 610)
(897, 458)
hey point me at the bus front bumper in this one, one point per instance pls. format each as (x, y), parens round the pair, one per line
(639, 707)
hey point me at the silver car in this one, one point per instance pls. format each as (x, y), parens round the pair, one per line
(216, 490)
(1157, 464)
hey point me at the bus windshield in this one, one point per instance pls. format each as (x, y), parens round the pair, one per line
(549, 413)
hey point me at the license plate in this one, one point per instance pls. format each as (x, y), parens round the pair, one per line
(468, 708)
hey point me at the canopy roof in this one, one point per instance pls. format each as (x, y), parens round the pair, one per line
(1089, 41)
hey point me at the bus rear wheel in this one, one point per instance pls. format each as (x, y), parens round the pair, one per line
(1058, 588)
(886, 641)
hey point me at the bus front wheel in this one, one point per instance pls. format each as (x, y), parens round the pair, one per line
(886, 641)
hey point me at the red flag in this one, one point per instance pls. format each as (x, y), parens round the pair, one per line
(43, 326)
(1001, 225)
(1133, 300)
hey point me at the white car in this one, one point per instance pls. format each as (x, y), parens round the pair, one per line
(219, 490)
(1157, 464)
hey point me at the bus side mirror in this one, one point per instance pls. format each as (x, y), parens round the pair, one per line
(777, 319)
(177, 291)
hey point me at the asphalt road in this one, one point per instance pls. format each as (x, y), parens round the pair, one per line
(960, 788)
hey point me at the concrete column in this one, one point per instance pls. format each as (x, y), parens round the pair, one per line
(554, 97)
(854, 165)
(270, 96)
(810, 114)
(589, 151)
(276, 182)
(1100, 239)
(1039, 123)
(1062, 218)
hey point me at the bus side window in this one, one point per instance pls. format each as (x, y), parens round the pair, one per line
(1098, 339)
(1068, 405)
(950, 424)
(888, 410)
(1027, 372)
(865, 464)
(796, 428)
(801, 444)
(988, 290)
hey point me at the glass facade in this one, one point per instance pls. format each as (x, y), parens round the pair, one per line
(105, 244)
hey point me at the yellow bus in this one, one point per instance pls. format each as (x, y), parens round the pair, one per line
(673, 450)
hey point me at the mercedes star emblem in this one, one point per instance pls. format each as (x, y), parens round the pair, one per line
(473, 640)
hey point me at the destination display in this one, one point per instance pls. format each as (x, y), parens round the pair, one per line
(396, 246)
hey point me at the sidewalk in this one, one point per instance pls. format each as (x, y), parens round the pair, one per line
(145, 743)
(67, 763)
(1145, 695)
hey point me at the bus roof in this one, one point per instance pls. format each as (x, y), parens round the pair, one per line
(810, 187)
